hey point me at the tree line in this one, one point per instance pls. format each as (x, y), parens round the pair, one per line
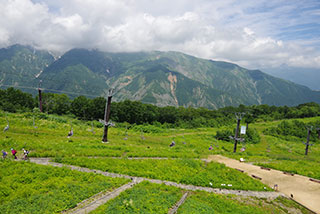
(135, 112)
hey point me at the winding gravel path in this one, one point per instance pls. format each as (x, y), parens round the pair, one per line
(298, 187)
(258, 194)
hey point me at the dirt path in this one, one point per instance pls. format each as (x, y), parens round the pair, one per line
(300, 187)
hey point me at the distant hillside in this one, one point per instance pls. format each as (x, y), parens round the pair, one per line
(161, 78)
(20, 65)
(305, 76)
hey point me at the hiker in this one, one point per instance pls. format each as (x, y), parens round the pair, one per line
(14, 153)
(210, 148)
(172, 144)
(25, 154)
(4, 154)
(70, 133)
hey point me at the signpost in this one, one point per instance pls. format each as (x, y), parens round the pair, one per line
(239, 116)
(243, 130)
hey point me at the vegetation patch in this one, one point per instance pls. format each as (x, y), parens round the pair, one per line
(186, 171)
(295, 128)
(29, 188)
(301, 167)
(203, 202)
(143, 198)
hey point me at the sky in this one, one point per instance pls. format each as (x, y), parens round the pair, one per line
(254, 34)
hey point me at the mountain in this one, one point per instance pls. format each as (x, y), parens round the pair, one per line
(21, 65)
(305, 76)
(161, 78)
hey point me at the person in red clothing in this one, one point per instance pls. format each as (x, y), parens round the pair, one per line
(14, 152)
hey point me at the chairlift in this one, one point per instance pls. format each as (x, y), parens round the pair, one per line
(108, 124)
(7, 126)
(243, 146)
(70, 134)
(34, 123)
(126, 134)
(172, 144)
(141, 135)
(184, 140)
(92, 130)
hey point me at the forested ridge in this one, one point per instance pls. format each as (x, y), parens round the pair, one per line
(135, 112)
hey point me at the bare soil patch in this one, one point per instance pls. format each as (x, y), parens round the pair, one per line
(297, 187)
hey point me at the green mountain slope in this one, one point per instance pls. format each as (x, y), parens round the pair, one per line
(20, 65)
(162, 78)
(161, 86)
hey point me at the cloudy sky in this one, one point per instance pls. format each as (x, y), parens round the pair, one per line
(251, 33)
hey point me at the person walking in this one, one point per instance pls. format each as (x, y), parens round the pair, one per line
(4, 154)
(14, 153)
(25, 154)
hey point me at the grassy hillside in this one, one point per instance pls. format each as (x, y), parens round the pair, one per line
(49, 139)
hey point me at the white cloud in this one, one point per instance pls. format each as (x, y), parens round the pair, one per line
(253, 34)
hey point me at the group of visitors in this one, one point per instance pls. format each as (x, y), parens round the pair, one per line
(14, 153)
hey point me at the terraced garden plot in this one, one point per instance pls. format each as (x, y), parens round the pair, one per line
(202, 202)
(186, 171)
(143, 198)
(29, 188)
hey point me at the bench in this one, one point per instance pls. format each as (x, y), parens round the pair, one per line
(265, 168)
(254, 176)
(240, 170)
(288, 173)
(315, 180)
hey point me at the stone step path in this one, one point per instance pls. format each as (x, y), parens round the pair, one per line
(175, 208)
(94, 202)
(258, 194)
(134, 158)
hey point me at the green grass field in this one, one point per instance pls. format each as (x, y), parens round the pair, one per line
(84, 148)
(30, 188)
(186, 171)
(202, 202)
(143, 198)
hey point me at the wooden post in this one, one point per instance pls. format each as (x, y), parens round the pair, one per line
(308, 139)
(307, 144)
(40, 97)
(236, 135)
(107, 116)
